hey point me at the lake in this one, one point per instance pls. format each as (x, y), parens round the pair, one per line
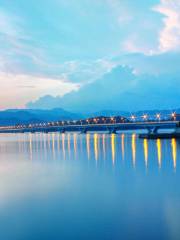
(88, 186)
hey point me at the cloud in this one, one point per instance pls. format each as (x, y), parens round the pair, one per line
(17, 44)
(134, 44)
(155, 64)
(82, 47)
(119, 89)
(138, 24)
(23, 66)
(85, 71)
(169, 38)
(153, 33)
(22, 53)
(17, 90)
(8, 24)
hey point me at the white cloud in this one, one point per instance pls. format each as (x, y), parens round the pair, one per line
(134, 44)
(17, 90)
(84, 71)
(17, 86)
(16, 42)
(169, 38)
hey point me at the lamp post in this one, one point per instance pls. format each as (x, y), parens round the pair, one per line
(158, 116)
(173, 115)
(145, 117)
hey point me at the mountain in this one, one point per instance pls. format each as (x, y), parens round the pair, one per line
(25, 116)
(152, 113)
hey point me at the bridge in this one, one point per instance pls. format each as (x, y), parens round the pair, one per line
(151, 127)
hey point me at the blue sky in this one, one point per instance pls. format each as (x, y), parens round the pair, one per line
(51, 47)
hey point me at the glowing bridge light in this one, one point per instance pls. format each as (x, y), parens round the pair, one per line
(133, 117)
(145, 116)
(95, 120)
(112, 119)
(173, 115)
(158, 116)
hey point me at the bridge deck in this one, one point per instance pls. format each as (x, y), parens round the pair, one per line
(112, 128)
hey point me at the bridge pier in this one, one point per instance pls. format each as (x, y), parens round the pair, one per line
(153, 130)
(83, 130)
(177, 129)
(45, 131)
(112, 131)
(62, 130)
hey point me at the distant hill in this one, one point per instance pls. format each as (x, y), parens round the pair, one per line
(109, 113)
(137, 113)
(25, 116)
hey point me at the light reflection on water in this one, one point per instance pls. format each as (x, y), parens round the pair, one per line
(174, 152)
(158, 143)
(96, 179)
(134, 149)
(122, 145)
(101, 145)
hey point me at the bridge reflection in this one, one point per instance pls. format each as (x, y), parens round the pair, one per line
(123, 150)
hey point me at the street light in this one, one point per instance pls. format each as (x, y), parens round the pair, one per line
(112, 119)
(158, 116)
(173, 115)
(133, 118)
(145, 117)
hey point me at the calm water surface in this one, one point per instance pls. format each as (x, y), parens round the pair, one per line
(93, 186)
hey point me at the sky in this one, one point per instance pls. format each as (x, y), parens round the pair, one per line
(51, 50)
